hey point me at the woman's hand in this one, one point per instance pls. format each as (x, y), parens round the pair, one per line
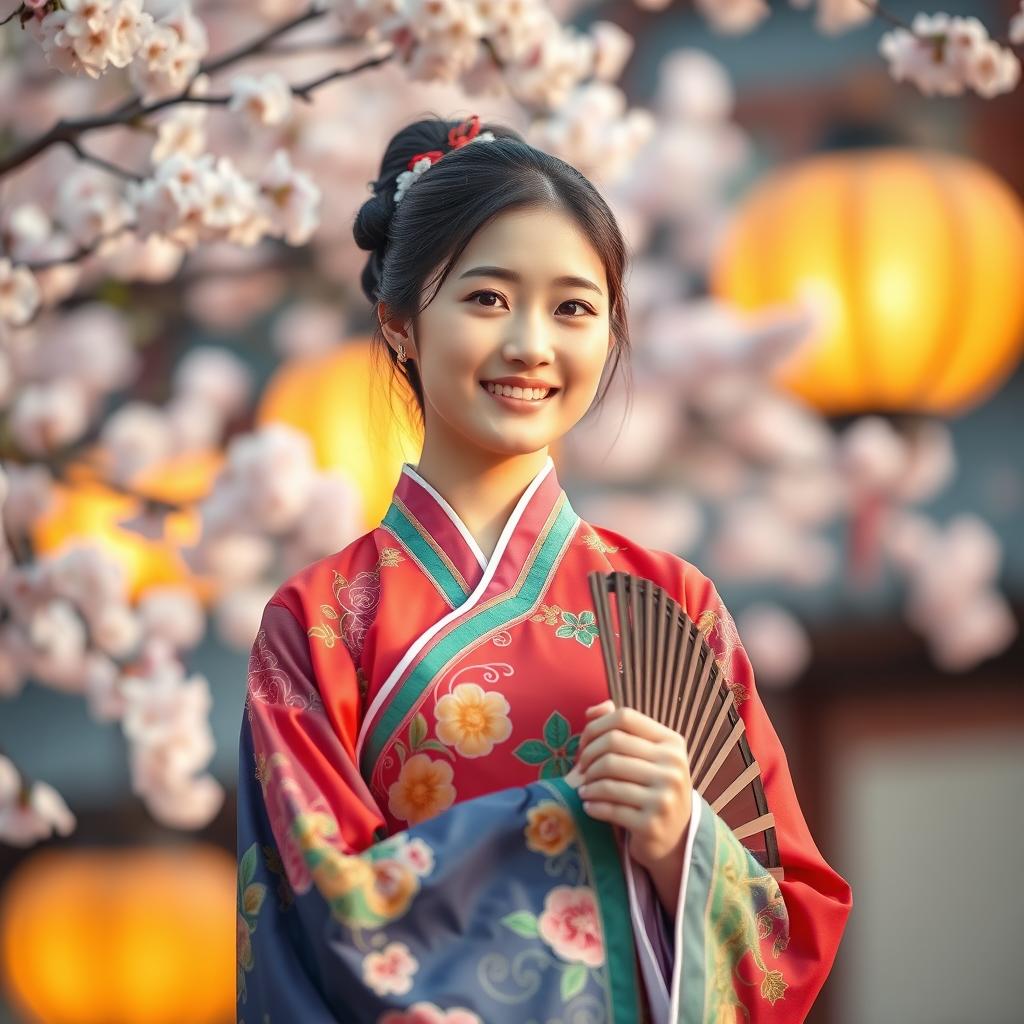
(634, 772)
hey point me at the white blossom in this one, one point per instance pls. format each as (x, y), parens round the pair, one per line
(58, 638)
(197, 199)
(333, 516)
(290, 200)
(1017, 27)
(237, 614)
(945, 55)
(19, 293)
(190, 805)
(263, 100)
(89, 205)
(91, 344)
(169, 53)
(38, 816)
(29, 497)
(101, 680)
(776, 643)
(173, 614)
(269, 477)
(215, 376)
(612, 49)
(135, 437)
(86, 36)
(85, 574)
(182, 131)
(114, 629)
(47, 416)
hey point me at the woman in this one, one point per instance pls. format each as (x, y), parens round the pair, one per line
(432, 781)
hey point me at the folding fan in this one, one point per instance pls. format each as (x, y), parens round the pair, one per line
(665, 668)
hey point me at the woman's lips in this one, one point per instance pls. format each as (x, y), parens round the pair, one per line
(519, 404)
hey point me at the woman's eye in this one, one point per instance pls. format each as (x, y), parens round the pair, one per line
(573, 302)
(487, 305)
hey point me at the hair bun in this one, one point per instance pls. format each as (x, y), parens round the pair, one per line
(372, 222)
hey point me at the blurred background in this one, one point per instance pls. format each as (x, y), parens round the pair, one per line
(827, 314)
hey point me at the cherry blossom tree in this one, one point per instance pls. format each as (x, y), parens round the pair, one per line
(215, 153)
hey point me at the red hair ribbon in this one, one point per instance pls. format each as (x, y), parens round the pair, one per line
(465, 131)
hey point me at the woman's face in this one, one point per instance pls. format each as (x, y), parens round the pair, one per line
(507, 310)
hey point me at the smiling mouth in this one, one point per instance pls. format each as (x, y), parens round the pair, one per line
(525, 396)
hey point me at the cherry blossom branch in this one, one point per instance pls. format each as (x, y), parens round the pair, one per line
(80, 253)
(131, 110)
(12, 15)
(892, 19)
(259, 44)
(898, 22)
(98, 161)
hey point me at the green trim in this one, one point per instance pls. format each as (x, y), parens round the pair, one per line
(693, 980)
(427, 558)
(466, 633)
(597, 839)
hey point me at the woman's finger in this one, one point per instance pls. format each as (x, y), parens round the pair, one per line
(617, 742)
(631, 818)
(627, 720)
(630, 769)
(616, 791)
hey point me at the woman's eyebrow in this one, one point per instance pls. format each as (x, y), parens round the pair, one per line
(511, 275)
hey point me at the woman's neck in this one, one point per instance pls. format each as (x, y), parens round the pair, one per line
(483, 488)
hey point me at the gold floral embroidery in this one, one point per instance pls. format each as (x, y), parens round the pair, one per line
(356, 601)
(389, 558)
(595, 543)
(549, 614)
(262, 775)
(723, 638)
(744, 909)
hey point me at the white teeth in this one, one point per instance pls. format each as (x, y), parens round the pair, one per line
(529, 394)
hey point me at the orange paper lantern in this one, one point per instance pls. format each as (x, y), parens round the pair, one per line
(87, 510)
(341, 401)
(146, 936)
(915, 261)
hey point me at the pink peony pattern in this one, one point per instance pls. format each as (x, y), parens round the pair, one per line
(571, 926)
(390, 971)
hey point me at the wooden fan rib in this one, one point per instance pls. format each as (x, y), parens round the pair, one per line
(625, 636)
(700, 697)
(731, 742)
(705, 749)
(741, 781)
(702, 742)
(602, 610)
(749, 828)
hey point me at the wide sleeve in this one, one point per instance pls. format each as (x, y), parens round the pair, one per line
(741, 942)
(508, 906)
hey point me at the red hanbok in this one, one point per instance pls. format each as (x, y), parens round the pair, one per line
(406, 841)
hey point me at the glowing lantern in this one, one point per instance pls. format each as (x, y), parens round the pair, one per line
(97, 936)
(87, 510)
(915, 262)
(341, 401)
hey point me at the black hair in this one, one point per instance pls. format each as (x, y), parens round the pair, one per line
(455, 198)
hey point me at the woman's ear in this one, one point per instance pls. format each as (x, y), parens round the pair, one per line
(396, 332)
